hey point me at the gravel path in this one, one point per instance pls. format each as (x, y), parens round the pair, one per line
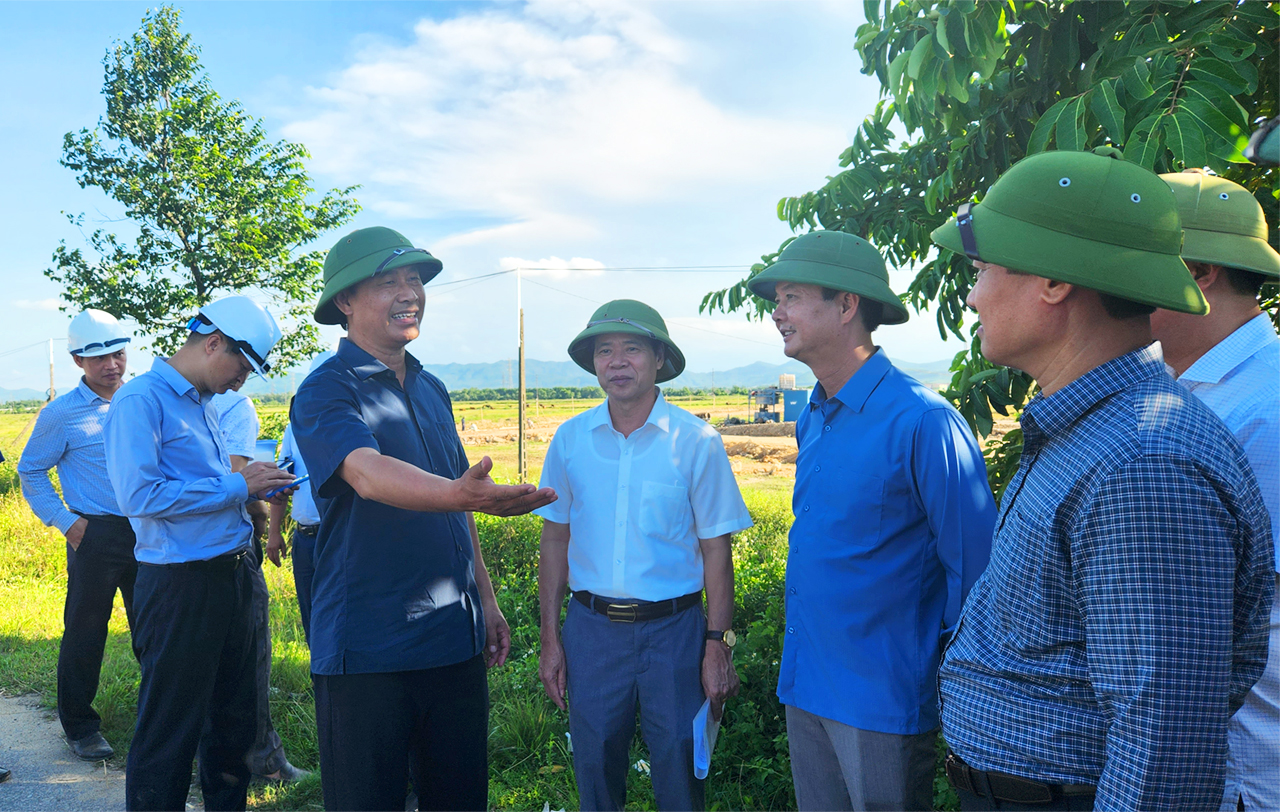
(46, 775)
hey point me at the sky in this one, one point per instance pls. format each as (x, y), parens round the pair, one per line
(550, 134)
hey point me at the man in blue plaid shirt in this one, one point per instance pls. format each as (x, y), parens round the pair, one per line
(1123, 617)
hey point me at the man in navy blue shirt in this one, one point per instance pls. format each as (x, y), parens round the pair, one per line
(1124, 615)
(893, 526)
(403, 615)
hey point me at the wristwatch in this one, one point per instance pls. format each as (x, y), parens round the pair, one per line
(727, 637)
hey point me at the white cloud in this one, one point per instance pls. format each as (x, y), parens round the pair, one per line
(51, 303)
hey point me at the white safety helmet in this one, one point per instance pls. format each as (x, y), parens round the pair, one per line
(94, 333)
(250, 327)
(320, 359)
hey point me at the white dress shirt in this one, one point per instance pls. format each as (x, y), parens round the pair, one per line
(1239, 379)
(636, 506)
(304, 508)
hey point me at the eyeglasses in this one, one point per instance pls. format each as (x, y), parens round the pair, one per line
(639, 327)
(397, 253)
(246, 349)
(964, 221)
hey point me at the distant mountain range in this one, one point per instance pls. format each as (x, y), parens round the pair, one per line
(504, 375)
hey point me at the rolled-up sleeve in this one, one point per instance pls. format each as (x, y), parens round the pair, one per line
(133, 442)
(47, 444)
(327, 427)
(1157, 573)
(717, 503)
(950, 482)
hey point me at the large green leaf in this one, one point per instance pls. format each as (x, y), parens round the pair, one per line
(1071, 134)
(1137, 80)
(1044, 127)
(1110, 114)
(922, 51)
(1144, 144)
(1185, 138)
(1220, 73)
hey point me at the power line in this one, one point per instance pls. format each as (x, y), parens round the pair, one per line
(29, 346)
(637, 269)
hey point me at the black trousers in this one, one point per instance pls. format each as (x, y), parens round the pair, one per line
(196, 643)
(379, 730)
(266, 756)
(103, 564)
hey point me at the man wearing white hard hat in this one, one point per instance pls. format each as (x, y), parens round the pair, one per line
(194, 633)
(68, 436)
(306, 520)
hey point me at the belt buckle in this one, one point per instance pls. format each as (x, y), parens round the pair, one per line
(621, 612)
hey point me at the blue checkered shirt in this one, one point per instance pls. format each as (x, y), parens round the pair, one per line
(1124, 614)
(68, 434)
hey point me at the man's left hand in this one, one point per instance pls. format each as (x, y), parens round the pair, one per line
(497, 637)
(719, 678)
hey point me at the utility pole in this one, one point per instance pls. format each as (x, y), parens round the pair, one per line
(51, 389)
(522, 462)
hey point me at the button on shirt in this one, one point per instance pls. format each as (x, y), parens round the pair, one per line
(304, 510)
(68, 434)
(394, 589)
(636, 506)
(893, 526)
(1124, 614)
(171, 473)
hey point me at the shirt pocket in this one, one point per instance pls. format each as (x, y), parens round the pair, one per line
(665, 514)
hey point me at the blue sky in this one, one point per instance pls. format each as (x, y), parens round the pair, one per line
(541, 134)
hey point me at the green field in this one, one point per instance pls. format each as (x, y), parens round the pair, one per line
(529, 762)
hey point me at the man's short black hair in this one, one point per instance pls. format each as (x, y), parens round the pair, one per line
(870, 311)
(1246, 283)
(1121, 309)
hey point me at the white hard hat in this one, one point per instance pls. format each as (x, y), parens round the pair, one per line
(248, 324)
(320, 359)
(95, 332)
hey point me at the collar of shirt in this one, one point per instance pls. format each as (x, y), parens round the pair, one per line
(1045, 417)
(659, 416)
(365, 366)
(87, 394)
(182, 387)
(857, 389)
(1230, 352)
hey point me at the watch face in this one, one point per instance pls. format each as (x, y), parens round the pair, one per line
(730, 639)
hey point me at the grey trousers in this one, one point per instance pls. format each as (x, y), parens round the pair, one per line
(839, 767)
(656, 664)
(267, 754)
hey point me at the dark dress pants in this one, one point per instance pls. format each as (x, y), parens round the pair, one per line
(195, 640)
(267, 754)
(103, 563)
(304, 571)
(379, 730)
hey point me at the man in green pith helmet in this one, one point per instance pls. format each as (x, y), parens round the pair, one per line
(1123, 617)
(647, 506)
(404, 620)
(893, 527)
(1230, 359)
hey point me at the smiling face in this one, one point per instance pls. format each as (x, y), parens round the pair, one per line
(626, 366)
(810, 325)
(103, 372)
(384, 311)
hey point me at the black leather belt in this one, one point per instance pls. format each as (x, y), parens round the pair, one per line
(223, 563)
(637, 611)
(309, 529)
(1005, 787)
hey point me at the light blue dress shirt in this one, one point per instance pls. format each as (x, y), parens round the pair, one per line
(68, 434)
(893, 526)
(171, 473)
(304, 501)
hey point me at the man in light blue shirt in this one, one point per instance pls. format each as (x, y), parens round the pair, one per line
(194, 632)
(68, 435)
(893, 526)
(1230, 359)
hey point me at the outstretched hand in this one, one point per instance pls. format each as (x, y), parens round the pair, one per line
(481, 494)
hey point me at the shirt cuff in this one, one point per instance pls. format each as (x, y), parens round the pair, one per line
(553, 513)
(731, 526)
(238, 487)
(64, 521)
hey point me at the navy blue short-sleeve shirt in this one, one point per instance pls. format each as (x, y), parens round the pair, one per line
(394, 589)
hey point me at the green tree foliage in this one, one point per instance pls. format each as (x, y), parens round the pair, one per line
(218, 208)
(979, 85)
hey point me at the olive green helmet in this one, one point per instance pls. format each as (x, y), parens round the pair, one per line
(1087, 218)
(364, 253)
(626, 316)
(1222, 224)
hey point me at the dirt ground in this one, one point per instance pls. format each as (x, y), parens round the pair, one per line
(46, 775)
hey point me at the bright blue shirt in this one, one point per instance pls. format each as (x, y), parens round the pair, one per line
(893, 526)
(1124, 615)
(68, 434)
(171, 473)
(394, 589)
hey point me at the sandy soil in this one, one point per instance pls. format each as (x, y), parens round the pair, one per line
(46, 775)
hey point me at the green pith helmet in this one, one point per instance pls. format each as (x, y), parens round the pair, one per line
(1222, 224)
(832, 259)
(1087, 218)
(362, 254)
(626, 316)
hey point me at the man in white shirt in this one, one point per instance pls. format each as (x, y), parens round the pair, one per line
(647, 506)
(1230, 359)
